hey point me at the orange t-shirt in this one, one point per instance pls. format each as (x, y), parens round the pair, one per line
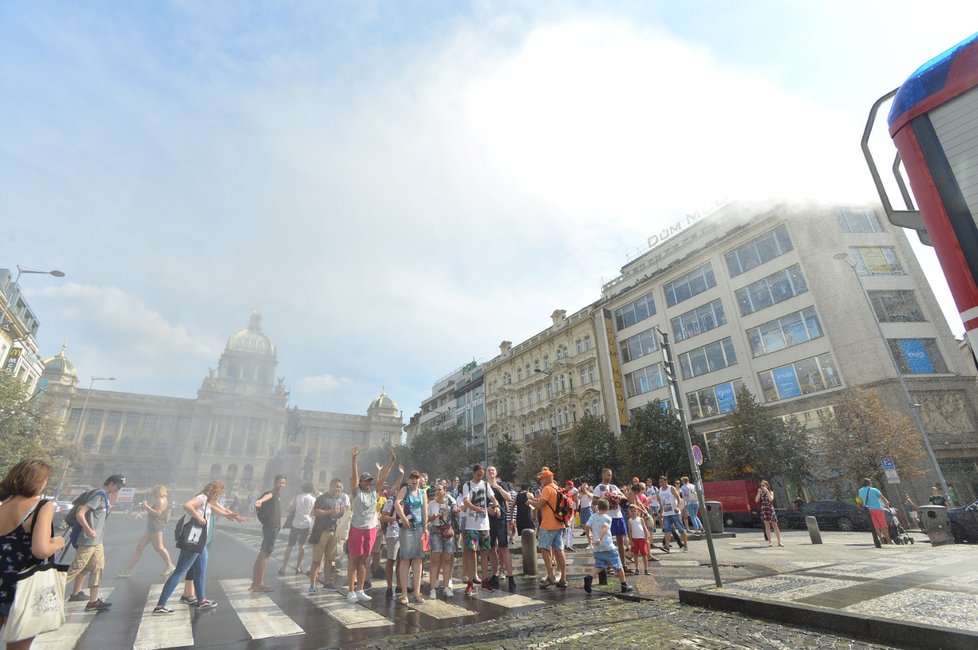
(548, 520)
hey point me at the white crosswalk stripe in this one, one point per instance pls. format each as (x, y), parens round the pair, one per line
(510, 601)
(163, 631)
(352, 616)
(258, 613)
(77, 621)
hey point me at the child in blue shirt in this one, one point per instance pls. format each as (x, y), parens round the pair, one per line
(598, 531)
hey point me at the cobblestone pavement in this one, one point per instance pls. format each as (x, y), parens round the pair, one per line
(616, 623)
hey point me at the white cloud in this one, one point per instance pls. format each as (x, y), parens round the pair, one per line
(321, 383)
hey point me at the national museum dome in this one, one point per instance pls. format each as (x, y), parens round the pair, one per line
(59, 369)
(252, 339)
(383, 405)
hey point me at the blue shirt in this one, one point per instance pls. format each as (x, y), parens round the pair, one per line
(871, 497)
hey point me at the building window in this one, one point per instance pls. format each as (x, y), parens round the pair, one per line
(546, 362)
(88, 443)
(183, 424)
(635, 311)
(645, 380)
(125, 446)
(699, 320)
(876, 260)
(113, 421)
(583, 375)
(149, 423)
(917, 356)
(714, 400)
(637, 346)
(896, 306)
(596, 407)
(132, 422)
(689, 285)
(771, 290)
(166, 423)
(784, 332)
(858, 220)
(590, 374)
(580, 346)
(587, 342)
(160, 448)
(108, 442)
(95, 417)
(142, 447)
(709, 358)
(799, 378)
(758, 251)
(561, 352)
(74, 414)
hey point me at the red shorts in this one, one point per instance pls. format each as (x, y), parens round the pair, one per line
(640, 546)
(360, 541)
(879, 518)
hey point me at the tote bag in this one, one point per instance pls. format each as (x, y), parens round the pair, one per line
(190, 535)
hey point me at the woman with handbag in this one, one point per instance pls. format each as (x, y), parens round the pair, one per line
(26, 539)
(193, 535)
(441, 509)
(156, 517)
(412, 513)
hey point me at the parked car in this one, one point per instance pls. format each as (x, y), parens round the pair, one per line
(964, 523)
(830, 515)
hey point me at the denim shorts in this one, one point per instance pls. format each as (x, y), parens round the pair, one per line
(551, 539)
(604, 559)
(439, 544)
(673, 522)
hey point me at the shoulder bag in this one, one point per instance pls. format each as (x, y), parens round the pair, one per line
(190, 535)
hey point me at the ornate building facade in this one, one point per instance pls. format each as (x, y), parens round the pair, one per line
(240, 427)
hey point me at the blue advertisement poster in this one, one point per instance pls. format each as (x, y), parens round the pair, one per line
(786, 381)
(915, 354)
(726, 400)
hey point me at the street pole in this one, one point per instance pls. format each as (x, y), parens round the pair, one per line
(673, 379)
(914, 412)
(81, 420)
(9, 296)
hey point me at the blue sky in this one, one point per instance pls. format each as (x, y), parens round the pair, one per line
(401, 185)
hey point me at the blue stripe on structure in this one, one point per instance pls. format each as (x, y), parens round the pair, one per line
(962, 221)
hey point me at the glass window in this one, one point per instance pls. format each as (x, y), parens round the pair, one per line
(709, 358)
(689, 285)
(799, 378)
(714, 400)
(771, 290)
(896, 306)
(645, 380)
(858, 220)
(876, 260)
(95, 417)
(917, 356)
(113, 421)
(792, 329)
(696, 321)
(758, 251)
(125, 445)
(634, 312)
(638, 345)
(149, 423)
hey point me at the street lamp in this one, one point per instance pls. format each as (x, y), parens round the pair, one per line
(9, 295)
(915, 414)
(81, 420)
(553, 409)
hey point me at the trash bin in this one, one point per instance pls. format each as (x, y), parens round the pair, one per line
(936, 524)
(714, 510)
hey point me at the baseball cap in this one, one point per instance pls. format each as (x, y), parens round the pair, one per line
(366, 476)
(569, 484)
(115, 479)
(545, 473)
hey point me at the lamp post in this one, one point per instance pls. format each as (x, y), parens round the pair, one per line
(553, 411)
(914, 413)
(81, 420)
(13, 291)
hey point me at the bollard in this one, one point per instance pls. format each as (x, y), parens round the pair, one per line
(813, 530)
(528, 538)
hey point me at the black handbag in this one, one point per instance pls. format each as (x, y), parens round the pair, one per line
(190, 535)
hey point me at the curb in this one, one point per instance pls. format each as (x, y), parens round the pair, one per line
(899, 633)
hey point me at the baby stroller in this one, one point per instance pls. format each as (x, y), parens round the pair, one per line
(898, 533)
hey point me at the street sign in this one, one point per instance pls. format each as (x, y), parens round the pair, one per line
(697, 455)
(892, 477)
(888, 464)
(125, 495)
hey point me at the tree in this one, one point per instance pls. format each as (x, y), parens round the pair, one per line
(860, 433)
(537, 453)
(507, 458)
(588, 448)
(443, 453)
(653, 443)
(27, 427)
(760, 445)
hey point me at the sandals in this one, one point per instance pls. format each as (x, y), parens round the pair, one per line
(402, 600)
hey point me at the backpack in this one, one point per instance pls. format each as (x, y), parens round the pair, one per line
(71, 519)
(264, 516)
(564, 512)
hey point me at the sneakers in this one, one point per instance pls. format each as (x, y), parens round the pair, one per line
(626, 588)
(159, 609)
(433, 594)
(122, 574)
(512, 583)
(588, 581)
(351, 597)
(97, 606)
(188, 600)
(205, 604)
(494, 582)
(469, 589)
(487, 584)
(362, 596)
(79, 597)
(313, 590)
(167, 571)
(367, 585)
(686, 548)
(602, 577)
(448, 592)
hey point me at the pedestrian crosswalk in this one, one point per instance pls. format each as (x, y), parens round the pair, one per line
(77, 621)
(258, 613)
(169, 631)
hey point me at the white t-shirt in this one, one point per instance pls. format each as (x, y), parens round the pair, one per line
(584, 499)
(636, 531)
(477, 494)
(393, 530)
(688, 492)
(303, 504)
(602, 490)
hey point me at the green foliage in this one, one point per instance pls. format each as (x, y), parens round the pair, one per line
(443, 453)
(537, 453)
(653, 444)
(507, 458)
(761, 446)
(27, 426)
(588, 448)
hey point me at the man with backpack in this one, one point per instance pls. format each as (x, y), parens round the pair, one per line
(87, 519)
(552, 506)
(269, 509)
(480, 503)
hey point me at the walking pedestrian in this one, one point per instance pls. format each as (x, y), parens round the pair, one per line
(26, 532)
(688, 492)
(157, 515)
(411, 505)
(326, 511)
(876, 502)
(669, 502)
(363, 526)
(90, 553)
(269, 509)
(442, 510)
(599, 537)
(301, 509)
(765, 497)
(551, 531)
(479, 501)
(614, 496)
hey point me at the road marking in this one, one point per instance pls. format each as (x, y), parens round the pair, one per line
(258, 613)
(441, 609)
(512, 601)
(163, 631)
(77, 621)
(352, 616)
